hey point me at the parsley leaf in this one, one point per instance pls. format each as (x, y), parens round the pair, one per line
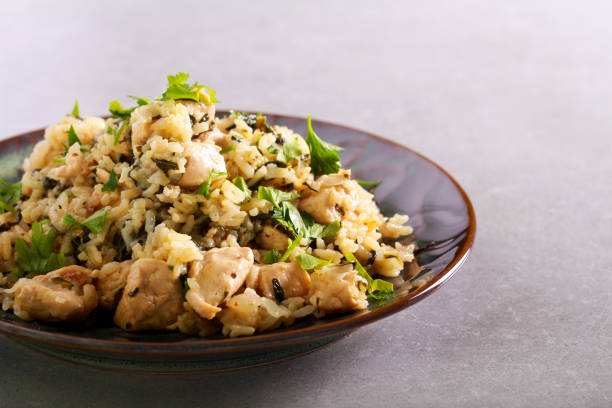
(75, 109)
(205, 188)
(178, 88)
(242, 185)
(377, 288)
(292, 246)
(140, 101)
(72, 137)
(308, 261)
(40, 258)
(119, 111)
(95, 223)
(369, 185)
(324, 157)
(111, 184)
(228, 148)
(276, 197)
(9, 195)
(271, 256)
(302, 223)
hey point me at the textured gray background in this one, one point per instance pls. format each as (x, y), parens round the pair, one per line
(514, 98)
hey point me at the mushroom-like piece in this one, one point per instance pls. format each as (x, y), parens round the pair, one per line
(66, 294)
(216, 278)
(152, 297)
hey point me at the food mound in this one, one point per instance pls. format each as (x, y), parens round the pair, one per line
(171, 218)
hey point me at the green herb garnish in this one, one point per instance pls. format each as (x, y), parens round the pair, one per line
(324, 158)
(308, 261)
(228, 148)
(165, 165)
(290, 151)
(140, 101)
(276, 197)
(119, 111)
(75, 109)
(95, 223)
(242, 185)
(178, 88)
(377, 288)
(9, 195)
(369, 185)
(111, 184)
(205, 188)
(271, 256)
(302, 223)
(40, 258)
(292, 245)
(119, 131)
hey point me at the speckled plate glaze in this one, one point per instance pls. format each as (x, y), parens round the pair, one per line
(444, 228)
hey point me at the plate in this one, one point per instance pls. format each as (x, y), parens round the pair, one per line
(444, 229)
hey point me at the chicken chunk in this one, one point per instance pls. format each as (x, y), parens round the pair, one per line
(215, 136)
(336, 289)
(270, 238)
(291, 280)
(203, 159)
(152, 297)
(321, 205)
(76, 164)
(248, 312)
(110, 282)
(65, 295)
(216, 278)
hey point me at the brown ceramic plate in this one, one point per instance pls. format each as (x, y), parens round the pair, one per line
(444, 228)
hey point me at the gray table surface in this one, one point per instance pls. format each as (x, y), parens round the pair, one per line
(513, 98)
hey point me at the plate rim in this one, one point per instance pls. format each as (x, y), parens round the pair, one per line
(202, 346)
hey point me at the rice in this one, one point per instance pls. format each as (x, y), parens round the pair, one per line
(172, 202)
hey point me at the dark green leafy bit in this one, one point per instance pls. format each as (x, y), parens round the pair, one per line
(324, 158)
(178, 88)
(9, 195)
(205, 188)
(95, 223)
(242, 185)
(276, 197)
(165, 165)
(72, 139)
(256, 121)
(308, 261)
(271, 256)
(279, 292)
(302, 223)
(369, 185)
(40, 258)
(377, 288)
(75, 109)
(111, 184)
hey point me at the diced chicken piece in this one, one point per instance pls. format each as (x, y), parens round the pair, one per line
(215, 136)
(152, 297)
(270, 238)
(65, 295)
(110, 282)
(291, 280)
(216, 278)
(248, 312)
(203, 159)
(336, 289)
(321, 205)
(76, 164)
